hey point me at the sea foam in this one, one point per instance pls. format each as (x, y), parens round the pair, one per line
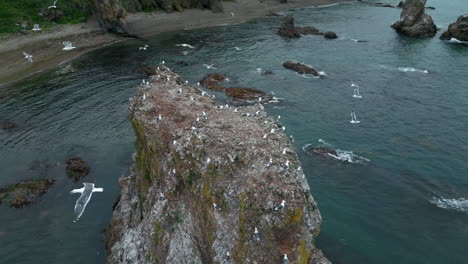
(409, 69)
(460, 204)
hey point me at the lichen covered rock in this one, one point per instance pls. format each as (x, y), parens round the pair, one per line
(25, 192)
(199, 188)
(458, 30)
(76, 168)
(414, 21)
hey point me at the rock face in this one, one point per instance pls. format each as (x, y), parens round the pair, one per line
(111, 16)
(76, 168)
(413, 21)
(330, 35)
(199, 189)
(287, 30)
(25, 192)
(458, 30)
(51, 14)
(300, 68)
(173, 5)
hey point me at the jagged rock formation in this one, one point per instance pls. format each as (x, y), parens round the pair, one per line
(166, 211)
(76, 168)
(413, 20)
(458, 30)
(111, 16)
(300, 68)
(288, 30)
(173, 5)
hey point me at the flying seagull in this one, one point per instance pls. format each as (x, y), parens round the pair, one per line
(143, 48)
(209, 66)
(237, 48)
(68, 45)
(86, 193)
(28, 57)
(54, 5)
(185, 46)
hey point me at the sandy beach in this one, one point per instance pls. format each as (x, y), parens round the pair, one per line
(46, 47)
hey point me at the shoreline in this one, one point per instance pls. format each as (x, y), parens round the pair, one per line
(46, 47)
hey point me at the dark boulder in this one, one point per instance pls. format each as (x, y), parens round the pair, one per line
(267, 72)
(213, 81)
(413, 20)
(300, 68)
(245, 93)
(287, 30)
(458, 30)
(148, 70)
(76, 168)
(330, 35)
(25, 192)
(309, 30)
(7, 124)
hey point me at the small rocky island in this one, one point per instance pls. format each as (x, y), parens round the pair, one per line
(458, 30)
(205, 179)
(414, 22)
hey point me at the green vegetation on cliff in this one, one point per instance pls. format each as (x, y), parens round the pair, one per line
(14, 14)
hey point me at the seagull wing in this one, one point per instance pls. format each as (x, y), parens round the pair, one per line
(77, 191)
(98, 189)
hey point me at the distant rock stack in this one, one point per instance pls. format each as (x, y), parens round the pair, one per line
(111, 16)
(288, 30)
(413, 20)
(458, 30)
(204, 179)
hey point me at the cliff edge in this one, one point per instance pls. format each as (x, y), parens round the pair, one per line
(205, 178)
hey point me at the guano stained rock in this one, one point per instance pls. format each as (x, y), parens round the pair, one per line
(203, 181)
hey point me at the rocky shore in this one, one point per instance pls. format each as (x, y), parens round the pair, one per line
(205, 179)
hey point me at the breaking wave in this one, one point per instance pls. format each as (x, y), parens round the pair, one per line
(409, 69)
(460, 204)
(327, 150)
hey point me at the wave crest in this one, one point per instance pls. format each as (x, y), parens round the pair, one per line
(460, 204)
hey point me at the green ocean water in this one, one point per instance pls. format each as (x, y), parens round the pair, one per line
(403, 198)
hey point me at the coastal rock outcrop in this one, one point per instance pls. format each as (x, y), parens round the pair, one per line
(288, 30)
(414, 21)
(202, 182)
(76, 168)
(25, 192)
(111, 16)
(300, 68)
(173, 5)
(7, 124)
(458, 30)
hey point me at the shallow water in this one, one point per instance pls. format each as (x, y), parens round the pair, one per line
(406, 205)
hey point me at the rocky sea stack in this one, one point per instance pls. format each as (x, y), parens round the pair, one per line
(204, 179)
(288, 30)
(414, 22)
(458, 30)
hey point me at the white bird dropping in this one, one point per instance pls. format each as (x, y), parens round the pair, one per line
(86, 193)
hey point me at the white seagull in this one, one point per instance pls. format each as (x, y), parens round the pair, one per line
(159, 118)
(256, 235)
(285, 259)
(54, 5)
(143, 48)
(185, 46)
(28, 57)
(353, 118)
(217, 207)
(280, 206)
(36, 28)
(209, 66)
(237, 48)
(68, 45)
(86, 193)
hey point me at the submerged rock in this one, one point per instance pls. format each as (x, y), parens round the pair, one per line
(7, 124)
(300, 68)
(458, 30)
(330, 35)
(198, 189)
(25, 192)
(309, 30)
(287, 30)
(76, 168)
(148, 70)
(213, 81)
(323, 151)
(413, 20)
(246, 94)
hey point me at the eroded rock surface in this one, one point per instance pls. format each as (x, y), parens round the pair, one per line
(76, 168)
(414, 21)
(166, 211)
(288, 30)
(25, 192)
(111, 16)
(458, 30)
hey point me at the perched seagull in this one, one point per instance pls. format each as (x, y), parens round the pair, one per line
(208, 160)
(235, 110)
(232, 13)
(265, 136)
(186, 82)
(203, 93)
(237, 48)
(86, 193)
(256, 235)
(54, 5)
(173, 171)
(174, 142)
(179, 91)
(68, 45)
(144, 96)
(209, 66)
(292, 138)
(143, 48)
(198, 83)
(228, 256)
(192, 99)
(285, 259)
(283, 128)
(280, 206)
(161, 196)
(28, 57)
(213, 96)
(284, 151)
(286, 165)
(163, 62)
(257, 113)
(205, 116)
(159, 118)
(143, 82)
(278, 118)
(217, 207)
(185, 46)
(270, 162)
(272, 131)
(260, 99)
(36, 28)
